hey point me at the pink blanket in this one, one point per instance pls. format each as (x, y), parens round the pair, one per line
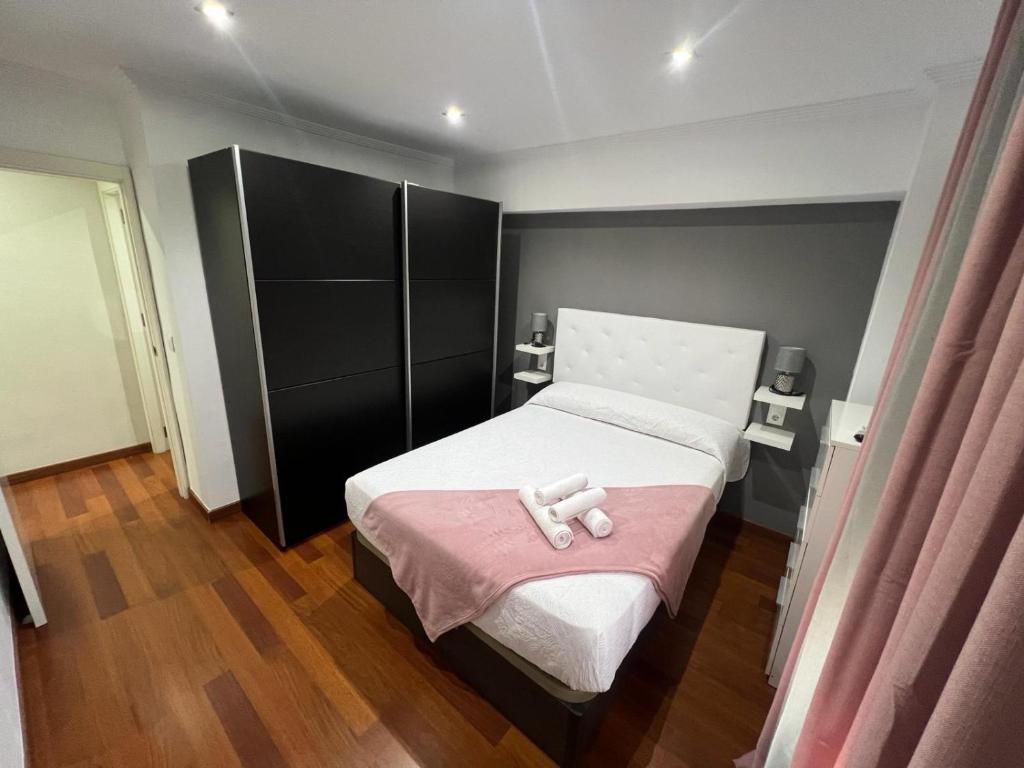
(455, 552)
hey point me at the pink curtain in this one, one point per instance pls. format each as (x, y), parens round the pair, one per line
(927, 664)
(961, 362)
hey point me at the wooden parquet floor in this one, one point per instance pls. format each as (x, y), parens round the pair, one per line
(176, 642)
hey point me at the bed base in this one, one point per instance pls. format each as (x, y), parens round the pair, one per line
(562, 729)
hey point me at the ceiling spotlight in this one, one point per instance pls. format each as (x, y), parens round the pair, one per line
(681, 56)
(216, 13)
(454, 115)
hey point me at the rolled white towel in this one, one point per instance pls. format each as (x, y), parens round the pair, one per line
(596, 522)
(567, 486)
(577, 504)
(558, 534)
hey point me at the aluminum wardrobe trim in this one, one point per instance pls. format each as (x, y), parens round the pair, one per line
(236, 159)
(407, 325)
(497, 308)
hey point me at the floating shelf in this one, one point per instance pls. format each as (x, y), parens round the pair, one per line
(532, 377)
(772, 436)
(765, 395)
(540, 374)
(532, 350)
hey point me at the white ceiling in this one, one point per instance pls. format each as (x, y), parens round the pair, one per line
(527, 72)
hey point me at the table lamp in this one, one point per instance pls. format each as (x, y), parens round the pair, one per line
(538, 326)
(788, 363)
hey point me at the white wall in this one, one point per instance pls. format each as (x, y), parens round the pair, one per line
(48, 113)
(129, 116)
(863, 149)
(162, 130)
(945, 119)
(886, 147)
(68, 386)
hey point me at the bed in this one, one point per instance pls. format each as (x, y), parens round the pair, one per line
(622, 386)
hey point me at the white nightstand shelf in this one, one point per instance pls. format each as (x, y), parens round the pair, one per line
(765, 395)
(532, 350)
(532, 377)
(772, 434)
(540, 374)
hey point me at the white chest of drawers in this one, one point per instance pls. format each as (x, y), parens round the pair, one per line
(830, 478)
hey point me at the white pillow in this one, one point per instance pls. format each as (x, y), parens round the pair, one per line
(684, 426)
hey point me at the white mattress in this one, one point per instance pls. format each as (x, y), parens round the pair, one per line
(577, 628)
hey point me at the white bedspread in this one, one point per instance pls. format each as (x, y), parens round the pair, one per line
(577, 628)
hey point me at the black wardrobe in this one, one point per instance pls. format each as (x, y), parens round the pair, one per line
(334, 331)
(451, 310)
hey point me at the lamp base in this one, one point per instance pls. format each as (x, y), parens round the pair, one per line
(774, 391)
(538, 339)
(783, 384)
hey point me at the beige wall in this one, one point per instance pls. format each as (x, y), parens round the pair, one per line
(67, 380)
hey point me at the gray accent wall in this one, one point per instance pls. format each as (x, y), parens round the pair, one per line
(805, 274)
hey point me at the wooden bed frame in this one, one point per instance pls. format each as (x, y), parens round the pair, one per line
(562, 729)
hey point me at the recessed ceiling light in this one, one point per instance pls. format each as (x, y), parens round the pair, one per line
(681, 55)
(454, 115)
(216, 13)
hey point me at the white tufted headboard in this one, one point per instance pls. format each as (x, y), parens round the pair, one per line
(709, 368)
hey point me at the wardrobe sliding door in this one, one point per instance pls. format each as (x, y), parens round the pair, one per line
(450, 250)
(303, 267)
(325, 267)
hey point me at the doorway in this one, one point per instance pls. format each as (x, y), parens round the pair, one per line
(83, 366)
(84, 375)
(130, 289)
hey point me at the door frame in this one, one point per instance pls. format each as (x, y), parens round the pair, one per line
(141, 340)
(34, 162)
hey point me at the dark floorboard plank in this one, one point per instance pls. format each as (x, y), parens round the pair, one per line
(71, 496)
(139, 466)
(308, 551)
(281, 580)
(249, 617)
(243, 726)
(245, 537)
(120, 504)
(106, 589)
(63, 586)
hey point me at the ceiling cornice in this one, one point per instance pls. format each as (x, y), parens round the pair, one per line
(856, 106)
(956, 72)
(273, 116)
